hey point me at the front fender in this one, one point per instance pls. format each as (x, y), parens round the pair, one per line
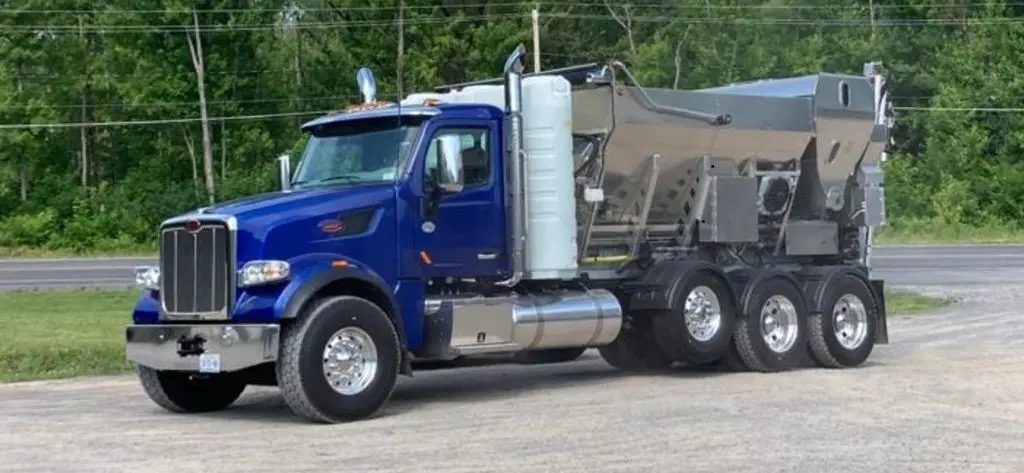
(312, 273)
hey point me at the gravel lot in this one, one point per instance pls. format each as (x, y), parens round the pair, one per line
(944, 396)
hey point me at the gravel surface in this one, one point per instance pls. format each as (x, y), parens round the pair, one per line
(944, 396)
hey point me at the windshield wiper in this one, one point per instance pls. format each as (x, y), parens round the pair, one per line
(340, 177)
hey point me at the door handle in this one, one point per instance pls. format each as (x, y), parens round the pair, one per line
(487, 255)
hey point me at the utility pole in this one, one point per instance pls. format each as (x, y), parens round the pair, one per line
(536, 39)
(401, 47)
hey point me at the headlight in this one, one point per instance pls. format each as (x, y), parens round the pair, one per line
(148, 277)
(255, 273)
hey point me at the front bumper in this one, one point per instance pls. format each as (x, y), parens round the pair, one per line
(202, 348)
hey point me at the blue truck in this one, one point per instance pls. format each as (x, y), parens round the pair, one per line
(527, 219)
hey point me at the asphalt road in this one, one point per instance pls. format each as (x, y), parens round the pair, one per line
(898, 265)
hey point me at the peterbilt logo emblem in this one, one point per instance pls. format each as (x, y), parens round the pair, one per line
(331, 226)
(193, 226)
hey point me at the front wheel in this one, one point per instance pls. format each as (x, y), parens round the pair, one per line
(184, 392)
(339, 360)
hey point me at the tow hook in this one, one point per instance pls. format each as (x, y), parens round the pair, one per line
(192, 346)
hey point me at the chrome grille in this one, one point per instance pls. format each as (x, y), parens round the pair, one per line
(195, 270)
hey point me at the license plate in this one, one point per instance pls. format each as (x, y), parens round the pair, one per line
(209, 363)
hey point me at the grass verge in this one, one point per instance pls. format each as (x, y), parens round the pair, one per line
(900, 302)
(916, 231)
(60, 334)
(29, 252)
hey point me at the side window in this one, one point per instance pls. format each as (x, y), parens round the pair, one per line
(476, 156)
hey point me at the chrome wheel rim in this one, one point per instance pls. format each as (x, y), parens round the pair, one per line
(779, 326)
(703, 313)
(350, 360)
(850, 321)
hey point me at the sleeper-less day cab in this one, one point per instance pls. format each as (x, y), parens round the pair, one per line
(527, 219)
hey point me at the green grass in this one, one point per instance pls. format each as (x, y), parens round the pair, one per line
(898, 302)
(28, 252)
(930, 232)
(60, 334)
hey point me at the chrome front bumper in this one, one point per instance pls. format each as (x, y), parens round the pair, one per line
(202, 348)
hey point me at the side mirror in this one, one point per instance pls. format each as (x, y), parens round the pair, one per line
(449, 163)
(284, 172)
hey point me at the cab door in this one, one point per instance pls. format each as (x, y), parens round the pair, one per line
(461, 234)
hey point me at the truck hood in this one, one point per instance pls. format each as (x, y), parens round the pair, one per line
(280, 206)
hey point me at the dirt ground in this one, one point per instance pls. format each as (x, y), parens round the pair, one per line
(945, 396)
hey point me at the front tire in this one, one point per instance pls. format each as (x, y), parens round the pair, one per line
(184, 392)
(843, 335)
(339, 360)
(771, 334)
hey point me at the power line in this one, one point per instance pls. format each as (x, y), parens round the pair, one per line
(36, 126)
(589, 3)
(31, 126)
(177, 104)
(348, 24)
(964, 109)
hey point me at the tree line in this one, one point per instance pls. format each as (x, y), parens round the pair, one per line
(115, 115)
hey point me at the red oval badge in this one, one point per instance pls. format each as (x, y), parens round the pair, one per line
(193, 226)
(331, 226)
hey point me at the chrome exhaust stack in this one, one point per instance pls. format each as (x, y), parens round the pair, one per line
(516, 160)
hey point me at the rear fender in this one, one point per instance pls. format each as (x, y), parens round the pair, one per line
(661, 286)
(815, 280)
(759, 275)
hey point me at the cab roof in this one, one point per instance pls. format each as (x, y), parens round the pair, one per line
(393, 110)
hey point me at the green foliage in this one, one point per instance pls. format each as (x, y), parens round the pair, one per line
(954, 170)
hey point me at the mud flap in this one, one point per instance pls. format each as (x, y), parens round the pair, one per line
(881, 327)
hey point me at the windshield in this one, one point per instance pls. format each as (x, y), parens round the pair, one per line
(356, 152)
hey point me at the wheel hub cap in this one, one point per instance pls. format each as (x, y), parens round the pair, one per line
(703, 313)
(350, 360)
(779, 326)
(850, 321)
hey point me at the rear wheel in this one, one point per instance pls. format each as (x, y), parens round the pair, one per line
(771, 333)
(698, 329)
(843, 335)
(185, 392)
(339, 360)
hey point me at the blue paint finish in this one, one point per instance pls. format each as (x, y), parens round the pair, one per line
(284, 226)
(467, 223)
(147, 308)
(409, 296)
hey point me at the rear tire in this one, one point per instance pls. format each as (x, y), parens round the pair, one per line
(698, 329)
(184, 392)
(635, 349)
(339, 360)
(771, 334)
(843, 335)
